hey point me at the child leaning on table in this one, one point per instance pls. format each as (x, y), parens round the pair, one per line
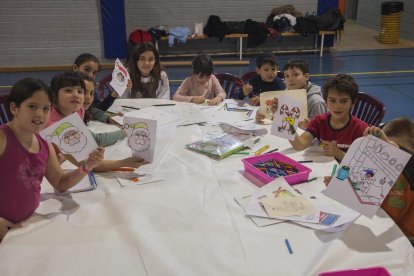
(105, 138)
(201, 85)
(68, 90)
(265, 80)
(148, 78)
(296, 74)
(337, 128)
(25, 157)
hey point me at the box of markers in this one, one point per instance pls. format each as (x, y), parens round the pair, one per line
(264, 168)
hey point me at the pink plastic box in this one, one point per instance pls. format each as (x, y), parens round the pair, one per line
(369, 271)
(254, 174)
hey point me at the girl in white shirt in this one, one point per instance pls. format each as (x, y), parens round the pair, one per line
(148, 79)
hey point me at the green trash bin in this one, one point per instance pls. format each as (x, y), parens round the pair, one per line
(390, 22)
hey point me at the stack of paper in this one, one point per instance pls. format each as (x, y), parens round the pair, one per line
(278, 202)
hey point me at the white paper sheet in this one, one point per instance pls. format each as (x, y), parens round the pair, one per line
(120, 78)
(141, 136)
(366, 174)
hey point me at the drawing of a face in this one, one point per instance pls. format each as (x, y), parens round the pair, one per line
(139, 140)
(120, 78)
(72, 141)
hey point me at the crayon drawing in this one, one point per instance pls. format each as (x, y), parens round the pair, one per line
(120, 77)
(141, 135)
(286, 118)
(71, 136)
(266, 99)
(368, 170)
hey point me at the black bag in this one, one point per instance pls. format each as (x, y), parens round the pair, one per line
(332, 20)
(306, 26)
(216, 28)
(235, 27)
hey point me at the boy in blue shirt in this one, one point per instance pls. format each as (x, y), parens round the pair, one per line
(266, 79)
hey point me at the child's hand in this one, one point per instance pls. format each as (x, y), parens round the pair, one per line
(259, 117)
(377, 132)
(5, 226)
(198, 99)
(95, 158)
(215, 101)
(331, 149)
(114, 94)
(304, 124)
(327, 179)
(255, 101)
(247, 89)
(133, 162)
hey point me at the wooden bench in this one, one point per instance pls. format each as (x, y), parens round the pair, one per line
(237, 36)
(240, 37)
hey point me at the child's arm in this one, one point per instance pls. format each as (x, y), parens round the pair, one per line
(107, 165)
(376, 131)
(163, 91)
(105, 139)
(302, 141)
(255, 101)
(183, 91)
(218, 92)
(5, 226)
(330, 149)
(63, 181)
(247, 89)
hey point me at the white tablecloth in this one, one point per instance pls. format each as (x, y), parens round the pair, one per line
(189, 224)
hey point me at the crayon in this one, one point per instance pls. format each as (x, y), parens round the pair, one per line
(262, 150)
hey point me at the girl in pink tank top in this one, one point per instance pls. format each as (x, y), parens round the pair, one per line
(25, 158)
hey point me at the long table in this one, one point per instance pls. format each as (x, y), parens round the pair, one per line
(190, 224)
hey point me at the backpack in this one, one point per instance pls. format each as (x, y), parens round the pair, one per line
(332, 20)
(306, 26)
(138, 36)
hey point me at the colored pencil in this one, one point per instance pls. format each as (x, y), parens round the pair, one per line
(123, 169)
(131, 107)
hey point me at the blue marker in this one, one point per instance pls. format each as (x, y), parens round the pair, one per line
(288, 246)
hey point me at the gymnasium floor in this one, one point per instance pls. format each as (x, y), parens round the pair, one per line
(385, 71)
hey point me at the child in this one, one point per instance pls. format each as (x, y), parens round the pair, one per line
(102, 139)
(89, 65)
(148, 80)
(296, 73)
(266, 79)
(336, 129)
(201, 85)
(25, 158)
(68, 97)
(399, 203)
